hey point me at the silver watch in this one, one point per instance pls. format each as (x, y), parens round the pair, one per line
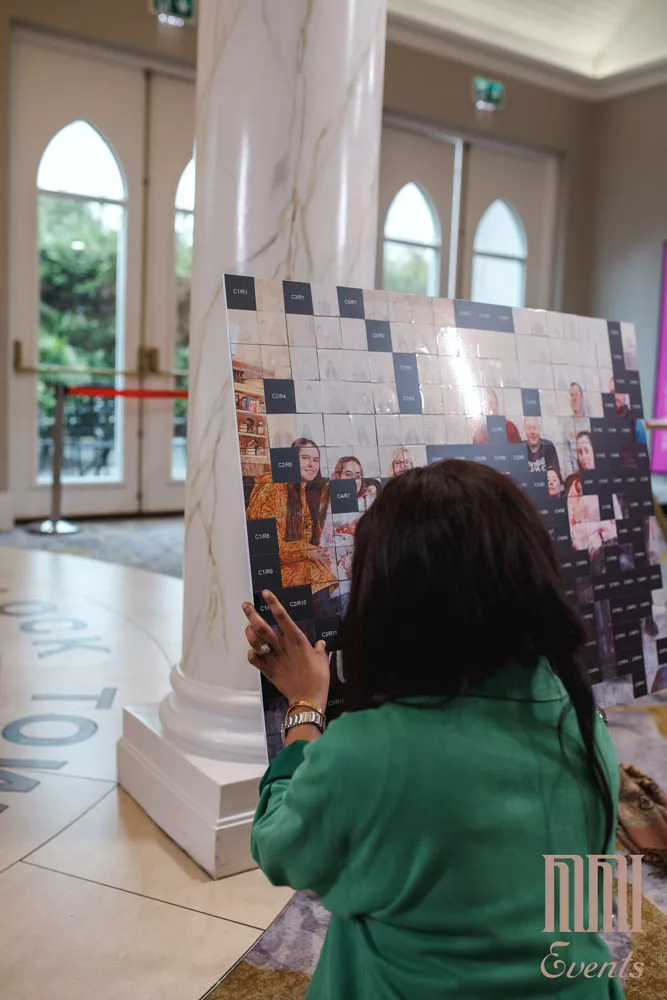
(299, 718)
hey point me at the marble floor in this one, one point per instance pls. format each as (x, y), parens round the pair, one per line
(97, 903)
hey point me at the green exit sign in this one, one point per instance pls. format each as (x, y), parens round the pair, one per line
(174, 12)
(488, 95)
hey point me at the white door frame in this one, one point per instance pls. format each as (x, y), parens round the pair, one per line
(50, 89)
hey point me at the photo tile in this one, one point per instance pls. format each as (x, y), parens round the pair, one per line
(363, 430)
(300, 330)
(422, 310)
(492, 373)
(425, 339)
(310, 426)
(361, 397)
(448, 341)
(403, 338)
(400, 307)
(336, 397)
(388, 429)
(435, 428)
(325, 299)
(432, 398)
(337, 429)
(276, 362)
(453, 399)
(272, 329)
(412, 429)
(304, 364)
(382, 367)
(530, 322)
(248, 355)
(375, 305)
(356, 366)
(428, 368)
(281, 429)
(366, 458)
(328, 334)
(243, 327)
(353, 334)
(444, 313)
(308, 396)
(385, 398)
(331, 365)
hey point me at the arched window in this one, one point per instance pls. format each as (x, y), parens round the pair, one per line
(411, 246)
(81, 223)
(183, 233)
(499, 257)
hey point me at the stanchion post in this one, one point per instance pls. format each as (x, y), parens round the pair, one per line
(54, 525)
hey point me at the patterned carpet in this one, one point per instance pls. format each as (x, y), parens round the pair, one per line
(154, 543)
(280, 964)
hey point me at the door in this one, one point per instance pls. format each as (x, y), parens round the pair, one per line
(102, 199)
(509, 217)
(418, 199)
(77, 127)
(169, 232)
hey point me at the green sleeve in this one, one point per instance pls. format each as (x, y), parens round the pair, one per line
(318, 801)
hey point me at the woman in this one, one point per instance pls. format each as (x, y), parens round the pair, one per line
(299, 509)
(470, 749)
(555, 482)
(349, 467)
(400, 462)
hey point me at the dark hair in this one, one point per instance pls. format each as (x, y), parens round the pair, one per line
(552, 468)
(578, 387)
(573, 478)
(454, 576)
(316, 499)
(585, 434)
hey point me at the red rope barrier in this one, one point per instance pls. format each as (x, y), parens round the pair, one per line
(100, 390)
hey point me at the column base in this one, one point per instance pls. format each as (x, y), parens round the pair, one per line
(206, 806)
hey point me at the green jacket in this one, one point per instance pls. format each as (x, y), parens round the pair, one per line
(423, 827)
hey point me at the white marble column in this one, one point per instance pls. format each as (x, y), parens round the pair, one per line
(289, 107)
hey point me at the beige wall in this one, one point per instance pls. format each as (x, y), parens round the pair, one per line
(422, 84)
(416, 83)
(631, 220)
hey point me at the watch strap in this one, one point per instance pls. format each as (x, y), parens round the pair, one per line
(306, 716)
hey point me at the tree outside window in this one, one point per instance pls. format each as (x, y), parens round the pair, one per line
(411, 246)
(81, 229)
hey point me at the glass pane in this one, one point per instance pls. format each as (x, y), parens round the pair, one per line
(79, 161)
(410, 269)
(411, 218)
(185, 193)
(497, 281)
(78, 257)
(500, 231)
(183, 269)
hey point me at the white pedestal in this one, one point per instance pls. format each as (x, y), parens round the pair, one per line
(205, 805)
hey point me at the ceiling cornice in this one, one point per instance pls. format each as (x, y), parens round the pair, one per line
(440, 42)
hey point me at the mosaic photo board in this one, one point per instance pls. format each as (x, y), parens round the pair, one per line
(339, 389)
